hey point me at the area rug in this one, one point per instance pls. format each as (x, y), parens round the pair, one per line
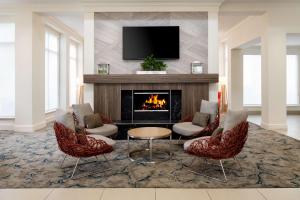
(31, 160)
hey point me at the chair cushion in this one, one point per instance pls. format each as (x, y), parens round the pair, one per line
(188, 143)
(105, 130)
(233, 118)
(210, 108)
(187, 128)
(200, 119)
(106, 139)
(67, 120)
(81, 110)
(92, 121)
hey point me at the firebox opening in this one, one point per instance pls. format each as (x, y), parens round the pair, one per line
(151, 102)
(151, 105)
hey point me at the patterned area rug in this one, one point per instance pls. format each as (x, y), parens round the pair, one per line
(269, 159)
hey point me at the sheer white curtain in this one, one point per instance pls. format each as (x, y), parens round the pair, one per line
(73, 73)
(292, 86)
(51, 70)
(252, 80)
(7, 70)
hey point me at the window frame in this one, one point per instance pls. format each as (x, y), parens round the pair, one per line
(298, 88)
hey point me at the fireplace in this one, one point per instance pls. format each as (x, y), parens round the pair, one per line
(151, 105)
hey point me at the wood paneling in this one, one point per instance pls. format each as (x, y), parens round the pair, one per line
(155, 78)
(107, 96)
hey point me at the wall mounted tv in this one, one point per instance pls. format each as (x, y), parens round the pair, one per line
(161, 41)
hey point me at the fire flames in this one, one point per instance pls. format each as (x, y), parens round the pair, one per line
(154, 103)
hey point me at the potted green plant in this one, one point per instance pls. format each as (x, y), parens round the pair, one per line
(152, 66)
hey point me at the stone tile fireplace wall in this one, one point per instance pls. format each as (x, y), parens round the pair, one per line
(193, 38)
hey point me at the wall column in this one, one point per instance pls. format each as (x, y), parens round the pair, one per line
(30, 76)
(88, 59)
(274, 79)
(236, 90)
(213, 52)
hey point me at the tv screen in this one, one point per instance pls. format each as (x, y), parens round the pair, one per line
(160, 41)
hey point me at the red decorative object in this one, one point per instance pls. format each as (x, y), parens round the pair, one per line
(105, 119)
(78, 144)
(223, 146)
(219, 98)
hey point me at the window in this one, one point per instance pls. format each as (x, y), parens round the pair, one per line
(7, 70)
(252, 79)
(51, 70)
(292, 80)
(73, 68)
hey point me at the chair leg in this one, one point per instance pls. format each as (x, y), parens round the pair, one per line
(179, 140)
(61, 164)
(223, 170)
(75, 167)
(195, 172)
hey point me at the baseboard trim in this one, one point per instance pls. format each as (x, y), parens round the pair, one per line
(7, 124)
(274, 126)
(30, 128)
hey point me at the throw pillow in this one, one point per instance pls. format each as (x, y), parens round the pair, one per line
(200, 119)
(233, 118)
(210, 108)
(67, 120)
(92, 121)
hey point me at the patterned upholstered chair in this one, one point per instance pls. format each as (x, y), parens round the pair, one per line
(79, 145)
(80, 110)
(186, 128)
(224, 145)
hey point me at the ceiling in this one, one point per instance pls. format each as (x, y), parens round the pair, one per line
(227, 20)
(93, 1)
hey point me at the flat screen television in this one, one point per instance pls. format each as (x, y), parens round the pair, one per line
(160, 41)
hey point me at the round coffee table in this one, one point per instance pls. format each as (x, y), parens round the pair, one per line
(150, 134)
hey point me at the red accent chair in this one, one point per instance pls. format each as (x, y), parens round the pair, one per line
(224, 145)
(79, 145)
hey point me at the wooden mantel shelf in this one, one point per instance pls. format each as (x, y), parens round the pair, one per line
(153, 78)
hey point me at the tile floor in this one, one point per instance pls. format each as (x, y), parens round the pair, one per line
(150, 194)
(164, 194)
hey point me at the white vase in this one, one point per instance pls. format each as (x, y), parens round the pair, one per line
(151, 72)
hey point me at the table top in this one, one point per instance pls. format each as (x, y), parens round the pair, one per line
(149, 133)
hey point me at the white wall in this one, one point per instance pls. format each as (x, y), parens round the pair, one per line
(213, 52)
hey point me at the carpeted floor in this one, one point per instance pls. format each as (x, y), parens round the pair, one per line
(28, 160)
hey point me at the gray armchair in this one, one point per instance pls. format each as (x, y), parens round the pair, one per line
(190, 130)
(81, 110)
